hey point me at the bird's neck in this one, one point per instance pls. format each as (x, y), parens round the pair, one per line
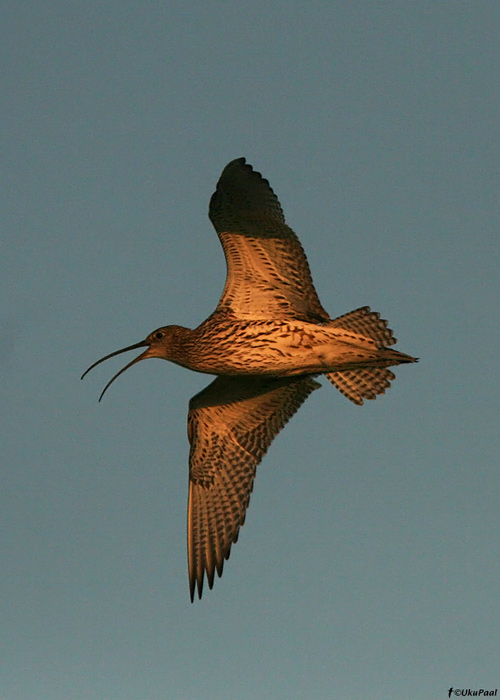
(180, 346)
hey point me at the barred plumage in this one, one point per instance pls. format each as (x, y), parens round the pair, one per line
(266, 341)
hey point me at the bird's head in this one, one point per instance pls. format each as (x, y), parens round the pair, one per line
(157, 344)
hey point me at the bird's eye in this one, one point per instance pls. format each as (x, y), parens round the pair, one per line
(159, 335)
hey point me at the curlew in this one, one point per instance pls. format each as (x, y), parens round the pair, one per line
(266, 341)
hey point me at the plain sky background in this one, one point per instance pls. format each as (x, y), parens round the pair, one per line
(368, 567)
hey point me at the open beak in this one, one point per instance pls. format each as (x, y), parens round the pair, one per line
(142, 356)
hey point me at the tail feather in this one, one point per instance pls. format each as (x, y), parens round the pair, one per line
(367, 323)
(368, 382)
(359, 384)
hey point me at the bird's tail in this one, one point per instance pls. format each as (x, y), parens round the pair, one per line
(368, 382)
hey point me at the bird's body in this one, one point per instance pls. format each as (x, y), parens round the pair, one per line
(222, 345)
(265, 342)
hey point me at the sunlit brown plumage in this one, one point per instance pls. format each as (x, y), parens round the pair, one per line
(265, 342)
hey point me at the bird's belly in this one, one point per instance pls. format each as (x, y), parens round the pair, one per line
(287, 351)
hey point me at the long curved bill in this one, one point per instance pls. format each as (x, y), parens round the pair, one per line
(142, 356)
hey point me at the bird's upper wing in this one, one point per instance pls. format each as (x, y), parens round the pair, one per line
(231, 424)
(267, 270)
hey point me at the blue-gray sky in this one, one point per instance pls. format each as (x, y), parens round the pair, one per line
(368, 566)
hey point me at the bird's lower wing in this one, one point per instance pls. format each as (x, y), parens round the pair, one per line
(231, 424)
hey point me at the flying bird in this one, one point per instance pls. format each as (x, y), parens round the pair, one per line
(266, 341)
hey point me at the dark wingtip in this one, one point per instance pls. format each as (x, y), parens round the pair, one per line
(193, 586)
